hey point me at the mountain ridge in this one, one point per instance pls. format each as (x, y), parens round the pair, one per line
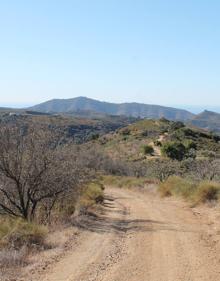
(83, 107)
(133, 109)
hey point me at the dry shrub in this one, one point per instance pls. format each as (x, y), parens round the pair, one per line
(196, 192)
(207, 191)
(92, 195)
(12, 257)
(165, 189)
(16, 233)
(175, 185)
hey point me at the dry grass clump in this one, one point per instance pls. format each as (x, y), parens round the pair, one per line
(93, 194)
(207, 191)
(16, 233)
(17, 239)
(202, 192)
(175, 185)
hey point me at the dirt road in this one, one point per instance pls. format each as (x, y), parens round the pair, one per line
(140, 237)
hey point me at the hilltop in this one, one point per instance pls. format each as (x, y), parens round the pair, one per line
(208, 120)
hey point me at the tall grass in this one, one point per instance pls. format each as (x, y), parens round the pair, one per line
(195, 192)
(15, 233)
(177, 186)
(207, 191)
(92, 195)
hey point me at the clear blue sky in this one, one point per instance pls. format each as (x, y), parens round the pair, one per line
(161, 52)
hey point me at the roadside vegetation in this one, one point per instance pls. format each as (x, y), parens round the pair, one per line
(42, 183)
(127, 182)
(195, 192)
(92, 195)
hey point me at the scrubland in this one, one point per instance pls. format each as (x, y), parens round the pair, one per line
(48, 182)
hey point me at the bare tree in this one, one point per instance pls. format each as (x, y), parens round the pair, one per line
(34, 169)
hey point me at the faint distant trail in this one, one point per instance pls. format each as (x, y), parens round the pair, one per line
(139, 238)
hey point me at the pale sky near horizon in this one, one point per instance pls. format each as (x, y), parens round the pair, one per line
(160, 52)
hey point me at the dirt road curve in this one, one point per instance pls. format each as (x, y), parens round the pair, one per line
(140, 238)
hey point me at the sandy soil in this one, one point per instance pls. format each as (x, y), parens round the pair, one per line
(141, 237)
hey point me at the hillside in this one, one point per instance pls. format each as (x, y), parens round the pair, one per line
(73, 129)
(208, 120)
(127, 109)
(130, 143)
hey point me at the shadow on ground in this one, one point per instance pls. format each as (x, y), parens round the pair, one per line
(110, 223)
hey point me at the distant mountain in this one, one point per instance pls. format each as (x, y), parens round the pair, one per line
(127, 109)
(207, 120)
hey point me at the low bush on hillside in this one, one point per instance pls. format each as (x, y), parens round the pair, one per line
(178, 150)
(148, 149)
(176, 126)
(189, 144)
(174, 150)
(157, 143)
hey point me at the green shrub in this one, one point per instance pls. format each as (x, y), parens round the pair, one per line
(207, 191)
(187, 132)
(189, 144)
(174, 150)
(176, 125)
(145, 133)
(148, 149)
(95, 136)
(157, 143)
